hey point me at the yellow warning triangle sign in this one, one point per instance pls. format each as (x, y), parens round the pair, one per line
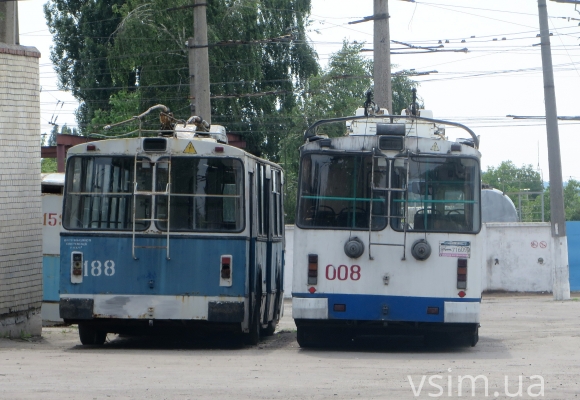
(189, 149)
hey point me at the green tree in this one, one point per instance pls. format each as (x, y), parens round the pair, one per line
(50, 138)
(509, 178)
(255, 47)
(81, 32)
(571, 201)
(48, 165)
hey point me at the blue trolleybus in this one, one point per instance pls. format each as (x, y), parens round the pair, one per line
(178, 230)
(386, 238)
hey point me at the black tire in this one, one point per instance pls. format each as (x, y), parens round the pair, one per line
(270, 329)
(91, 336)
(435, 340)
(305, 337)
(253, 337)
(475, 337)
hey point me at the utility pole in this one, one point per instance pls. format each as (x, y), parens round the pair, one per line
(199, 64)
(560, 274)
(9, 25)
(382, 56)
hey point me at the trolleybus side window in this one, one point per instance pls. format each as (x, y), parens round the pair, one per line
(281, 202)
(335, 191)
(443, 195)
(206, 194)
(260, 193)
(99, 193)
(264, 192)
(277, 230)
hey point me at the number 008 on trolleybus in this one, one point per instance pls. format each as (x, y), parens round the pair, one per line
(180, 230)
(386, 238)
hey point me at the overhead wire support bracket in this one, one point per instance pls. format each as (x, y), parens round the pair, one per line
(371, 18)
(418, 47)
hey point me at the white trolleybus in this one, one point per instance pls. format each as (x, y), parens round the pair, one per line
(179, 231)
(386, 238)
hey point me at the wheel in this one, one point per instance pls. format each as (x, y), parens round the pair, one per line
(91, 336)
(253, 337)
(269, 331)
(305, 337)
(475, 337)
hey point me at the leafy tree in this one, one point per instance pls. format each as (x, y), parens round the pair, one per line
(140, 54)
(48, 165)
(81, 32)
(50, 139)
(571, 202)
(509, 178)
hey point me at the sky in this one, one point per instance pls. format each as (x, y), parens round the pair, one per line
(499, 75)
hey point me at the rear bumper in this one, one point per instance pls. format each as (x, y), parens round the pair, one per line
(145, 307)
(384, 308)
(465, 312)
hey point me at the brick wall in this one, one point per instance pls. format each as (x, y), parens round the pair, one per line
(20, 200)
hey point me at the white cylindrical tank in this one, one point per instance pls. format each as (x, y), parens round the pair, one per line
(497, 207)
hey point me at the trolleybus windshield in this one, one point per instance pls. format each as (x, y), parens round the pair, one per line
(443, 194)
(335, 192)
(206, 194)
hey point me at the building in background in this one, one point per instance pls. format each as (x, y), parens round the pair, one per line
(20, 201)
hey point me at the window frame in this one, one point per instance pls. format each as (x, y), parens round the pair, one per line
(362, 154)
(242, 195)
(131, 194)
(476, 186)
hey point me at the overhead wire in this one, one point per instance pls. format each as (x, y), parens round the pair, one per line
(425, 80)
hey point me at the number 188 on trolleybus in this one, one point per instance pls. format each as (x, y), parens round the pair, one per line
(386, 238)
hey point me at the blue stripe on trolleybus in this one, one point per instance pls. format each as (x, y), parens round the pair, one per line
(194, 267)
(384, 308)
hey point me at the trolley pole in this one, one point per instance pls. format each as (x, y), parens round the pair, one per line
(199, 64)
(560, 274)
(382, 56)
